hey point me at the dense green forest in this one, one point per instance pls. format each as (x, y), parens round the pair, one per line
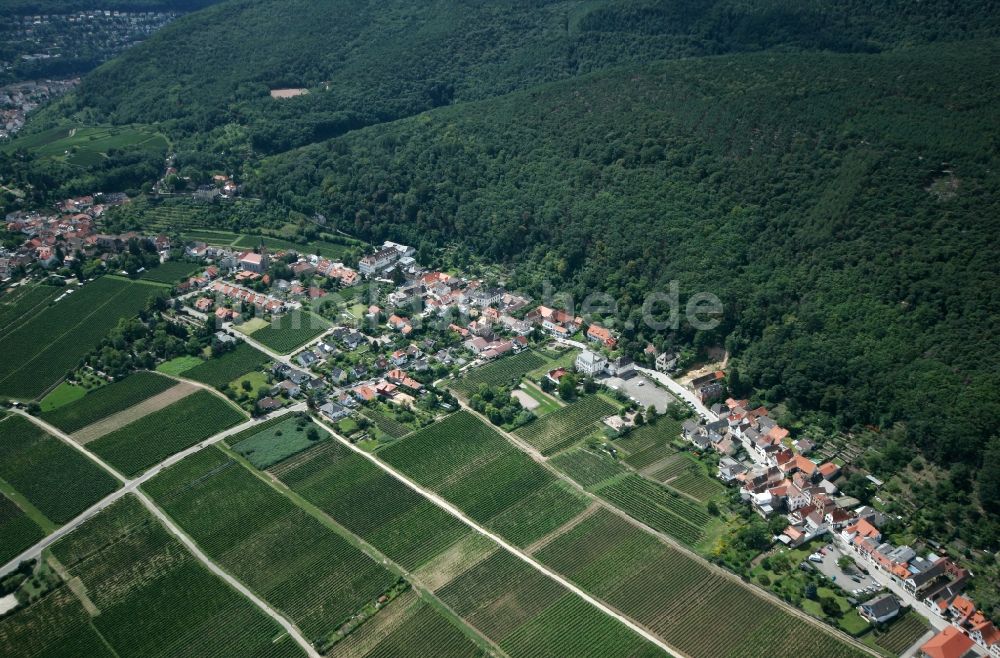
(208, 75)
(843, 206)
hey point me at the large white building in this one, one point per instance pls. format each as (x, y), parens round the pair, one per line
(590, 363)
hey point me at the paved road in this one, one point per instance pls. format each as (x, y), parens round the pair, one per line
(459, 514)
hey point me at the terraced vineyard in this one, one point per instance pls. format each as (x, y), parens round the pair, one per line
(507, 371)
(17, 531)
(52, 341)
(371, 503)
(302, 568)
(291, 330)
(235, 363)
(146, 595)
(679, 598)
(55, 478)
(153, 438)
(565, 426)
(107, 401)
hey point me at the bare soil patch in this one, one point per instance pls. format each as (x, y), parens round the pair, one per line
(144, 408)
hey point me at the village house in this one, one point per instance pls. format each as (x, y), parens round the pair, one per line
(880, 610)
(590, 363)
(598, 334)
(949, 643)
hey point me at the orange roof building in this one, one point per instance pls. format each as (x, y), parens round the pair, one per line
(949, 643)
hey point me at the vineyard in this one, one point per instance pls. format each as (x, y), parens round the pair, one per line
(324, 248)
(107, 401)
(537, 516)
(17, 531)
(305, 570)
(57, 479)
(650, 443)
(290, 331)
(219, 238)
(657, 507)
(219, 371)
(52, 341)
(426, 633)
(507, 371)
(155, 437)
(902, 634)
(153, 598)
(587, 468)
(679, 598)
(371, 503)
(171, 272)
(23, 303)
(567, 425)
(681, 473)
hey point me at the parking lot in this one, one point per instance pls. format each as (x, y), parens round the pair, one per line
(642, 390)
(850, 580)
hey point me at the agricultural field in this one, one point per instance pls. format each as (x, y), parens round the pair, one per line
(142, 594)
(565, 426)
(153, 438)
(529, 614)
(657, 507)
(219, 371)
(679, 598)
(470, 464)
(311, 574)
(55, 478)
(680, 472)
(324, 248)
(107, 401)
(220, 238)
(587, 468)
(425, 633)
(17, 531)
(23, 302)
(171, 272)
(372, 504)
(538, 515)
(291, 330)
(84, 146)
(52, 341)
(275, 443)
(507, 371)
(650, 443)
(901, 634)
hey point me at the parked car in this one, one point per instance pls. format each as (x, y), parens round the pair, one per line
(815, 557)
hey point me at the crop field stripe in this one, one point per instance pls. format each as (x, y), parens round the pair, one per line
(456, 512)
(58, 480)
(13, 317)
(108, 400)
(565, 426)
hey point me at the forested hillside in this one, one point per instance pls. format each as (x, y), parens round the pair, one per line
(843, 206)
(367, 62)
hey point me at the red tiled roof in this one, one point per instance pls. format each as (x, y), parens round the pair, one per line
(949, 643)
